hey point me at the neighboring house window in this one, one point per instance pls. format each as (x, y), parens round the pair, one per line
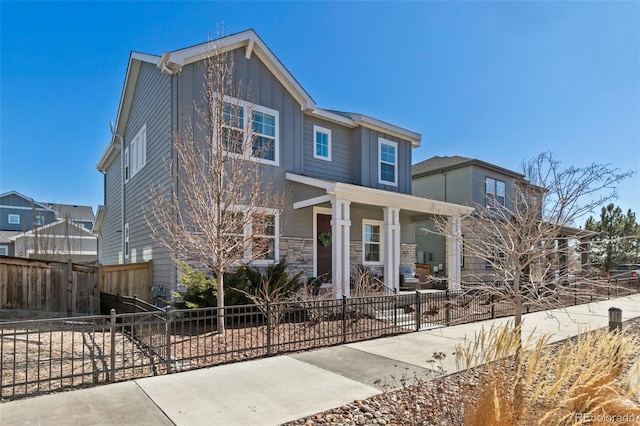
(126, 240)
(4, 251)
(495, 192)
(321, 143)
(39, 220)
(135, 155)
(264, 128)
(14, 219)
(388, 162)
(371, 241)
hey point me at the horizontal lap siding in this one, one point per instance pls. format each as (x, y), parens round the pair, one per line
(340, 168)
(110, 238)
(151, 106)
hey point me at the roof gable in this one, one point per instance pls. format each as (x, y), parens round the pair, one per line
(437, 164)
(27, 202)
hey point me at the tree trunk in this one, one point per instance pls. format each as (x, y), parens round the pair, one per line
(220, 299)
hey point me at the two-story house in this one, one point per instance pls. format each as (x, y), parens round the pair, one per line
(469, 182)
(45, 230)
(345, 174)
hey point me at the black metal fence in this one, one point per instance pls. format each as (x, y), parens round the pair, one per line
(42, 356)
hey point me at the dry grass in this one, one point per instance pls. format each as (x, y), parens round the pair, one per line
(587, 377)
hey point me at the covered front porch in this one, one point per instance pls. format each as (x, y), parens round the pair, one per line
(370, 228)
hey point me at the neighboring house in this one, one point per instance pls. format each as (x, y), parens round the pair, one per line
(347, 174)
(80, 215)
(45, 230)
(469, 182)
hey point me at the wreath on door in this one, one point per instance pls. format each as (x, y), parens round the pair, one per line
(325, 238)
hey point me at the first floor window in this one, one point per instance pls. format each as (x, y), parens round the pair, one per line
(14, 219)
(39, 220)
(264, 240)
(126, 240)
(371, 241)
(4, 251)
(254, 235)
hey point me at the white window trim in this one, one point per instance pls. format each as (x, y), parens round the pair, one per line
(248, 236)
(135, 154)
(382, 141)
(316, 130)
(377, 223)
(41, 220)
(4, 250)
(276, 237)
(248, 125)
(12, 216)
(127, 247)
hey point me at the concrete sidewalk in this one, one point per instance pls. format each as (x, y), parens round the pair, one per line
(275, 390)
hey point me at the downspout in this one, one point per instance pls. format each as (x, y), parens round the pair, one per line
(113, 132)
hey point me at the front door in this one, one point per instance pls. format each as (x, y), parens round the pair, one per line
(323, 247)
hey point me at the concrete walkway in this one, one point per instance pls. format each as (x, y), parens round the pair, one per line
(275, 390)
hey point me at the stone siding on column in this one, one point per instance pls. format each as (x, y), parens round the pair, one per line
(408, 255)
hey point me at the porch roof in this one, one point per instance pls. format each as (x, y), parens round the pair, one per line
(372, 196)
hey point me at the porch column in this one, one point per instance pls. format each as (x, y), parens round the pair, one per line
(341, 237)
(391, 247)
(454, 224)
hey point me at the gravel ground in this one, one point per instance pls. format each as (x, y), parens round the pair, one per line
(413, 401)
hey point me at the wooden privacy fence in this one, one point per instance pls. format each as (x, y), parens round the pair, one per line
(127, 280)
(48, 286)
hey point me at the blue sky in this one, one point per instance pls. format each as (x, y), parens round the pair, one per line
(497, 81)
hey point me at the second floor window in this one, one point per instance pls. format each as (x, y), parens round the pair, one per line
(14, 219)
(494, 192)
(135, 155)
(388, 162)
(264, 131)
(321, 143)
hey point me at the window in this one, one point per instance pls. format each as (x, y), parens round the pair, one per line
(494, 192)
(371, 241)
(14, 219)
(264, 240)
(135, 155)
(321, 143)
(255, 239)
(4, 251)
(39, 220)
(126, 240)
(264, 131)
(388, 162)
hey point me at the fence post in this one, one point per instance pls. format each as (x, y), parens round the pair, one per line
(447, 308)
(268, 327)
(575, 296)
(112, 329)
(418, 315)
(167, 325)
(493, 306)
(135, 303)
(344, 318)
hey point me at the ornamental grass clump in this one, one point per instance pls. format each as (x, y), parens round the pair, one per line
(589, 379)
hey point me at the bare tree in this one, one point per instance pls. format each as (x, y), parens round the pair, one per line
(221, 209)
(524, 238)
